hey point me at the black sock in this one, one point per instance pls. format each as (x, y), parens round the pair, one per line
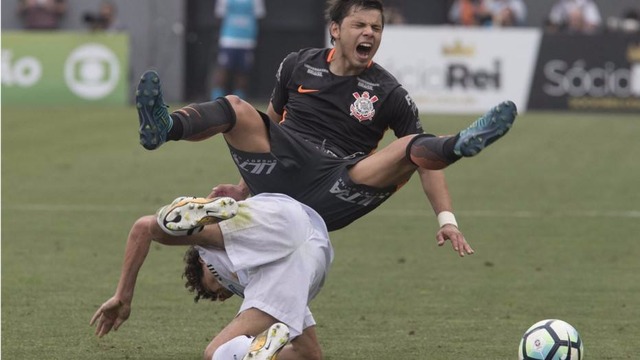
(431, 152)
(175, 133)
(447, 148)
(199, 121)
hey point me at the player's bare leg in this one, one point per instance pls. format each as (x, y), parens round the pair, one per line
(252, 322)
(394, 164)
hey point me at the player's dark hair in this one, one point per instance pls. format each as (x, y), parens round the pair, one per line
(193, 273)
(337, 10)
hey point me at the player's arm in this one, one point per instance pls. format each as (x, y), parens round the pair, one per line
(406, 121)
(117, 309)
(273, 115)
(435, 187)
(280, 93)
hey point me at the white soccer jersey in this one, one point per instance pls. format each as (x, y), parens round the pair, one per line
(277, 257)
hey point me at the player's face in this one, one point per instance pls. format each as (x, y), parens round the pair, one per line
(210, 283)
(357, 39)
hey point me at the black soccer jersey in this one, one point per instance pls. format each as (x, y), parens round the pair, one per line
(344, 114)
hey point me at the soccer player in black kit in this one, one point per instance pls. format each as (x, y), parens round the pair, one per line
(318, 140)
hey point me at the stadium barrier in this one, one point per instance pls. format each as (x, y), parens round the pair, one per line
(599, 72)
(450, 69)
(460, 70)
(64, 68)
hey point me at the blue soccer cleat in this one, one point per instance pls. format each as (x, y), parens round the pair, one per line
(487, 129)
(154, 118)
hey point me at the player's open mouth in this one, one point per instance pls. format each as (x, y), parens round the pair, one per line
(364, 49)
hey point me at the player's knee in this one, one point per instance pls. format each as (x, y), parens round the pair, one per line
(143, 224)
(242, 109)
(147, 226)
(238, 105)
(249, 132)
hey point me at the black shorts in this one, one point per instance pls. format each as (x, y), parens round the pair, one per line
(300, 169)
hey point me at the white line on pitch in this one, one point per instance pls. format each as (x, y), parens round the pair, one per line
(378, 212)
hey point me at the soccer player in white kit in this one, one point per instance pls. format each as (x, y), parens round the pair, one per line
(269, 249)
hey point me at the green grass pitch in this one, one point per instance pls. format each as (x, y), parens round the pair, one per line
(552, 210)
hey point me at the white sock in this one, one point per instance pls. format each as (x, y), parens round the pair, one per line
(234, 349)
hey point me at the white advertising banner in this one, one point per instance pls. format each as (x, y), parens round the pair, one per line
(461, 70)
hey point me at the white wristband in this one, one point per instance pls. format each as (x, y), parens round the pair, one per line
(447, 217)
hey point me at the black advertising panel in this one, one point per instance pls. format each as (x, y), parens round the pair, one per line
(587, 73)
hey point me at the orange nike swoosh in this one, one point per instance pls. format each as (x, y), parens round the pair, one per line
(306, 91)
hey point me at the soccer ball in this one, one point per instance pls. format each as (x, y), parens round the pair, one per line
(551, 339)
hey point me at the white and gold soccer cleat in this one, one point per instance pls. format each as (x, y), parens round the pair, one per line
(269, 343)
(188, 215)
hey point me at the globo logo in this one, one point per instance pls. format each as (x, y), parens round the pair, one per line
(92, 71)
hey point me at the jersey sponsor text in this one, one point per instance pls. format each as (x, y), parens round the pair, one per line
(255, 166)
(356, 196)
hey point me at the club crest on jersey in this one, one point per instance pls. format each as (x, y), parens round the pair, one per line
(362, 109)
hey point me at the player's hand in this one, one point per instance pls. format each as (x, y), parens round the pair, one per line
(236, 192)
(458, 242)
(110, 316)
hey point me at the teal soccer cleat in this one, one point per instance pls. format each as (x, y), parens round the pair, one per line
(486, 130)
(154, 118)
